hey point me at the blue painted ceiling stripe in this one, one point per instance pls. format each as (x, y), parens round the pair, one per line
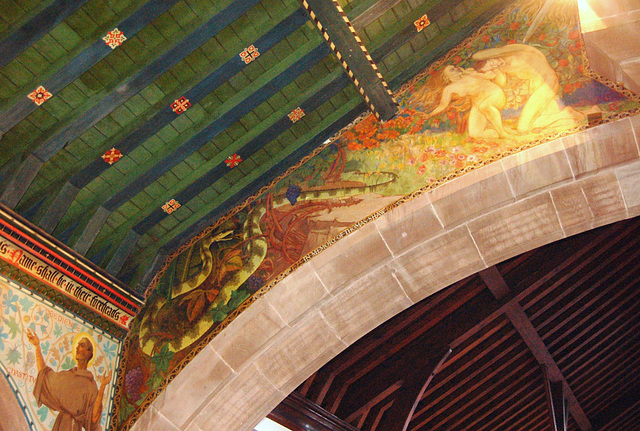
(195, 95)
(245, 152)
(41, 24)
(131, 87)
(217, 126)
(264, 179)
(85, 60)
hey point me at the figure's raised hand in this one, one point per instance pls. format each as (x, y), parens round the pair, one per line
(33, 338)
(105, 378)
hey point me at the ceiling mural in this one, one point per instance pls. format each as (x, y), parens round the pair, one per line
(521, 80)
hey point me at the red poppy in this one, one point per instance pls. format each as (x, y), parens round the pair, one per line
(574, 35)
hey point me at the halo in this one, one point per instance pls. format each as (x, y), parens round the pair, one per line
(76, 340)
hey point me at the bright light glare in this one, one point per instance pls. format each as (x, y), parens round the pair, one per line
(269, 425)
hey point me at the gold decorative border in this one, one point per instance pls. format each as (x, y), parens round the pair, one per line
(207, 338)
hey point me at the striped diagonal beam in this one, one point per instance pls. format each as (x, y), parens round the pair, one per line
(84, 61)
(165, 116)
(343, 40)
(41, 24)
(28, 170)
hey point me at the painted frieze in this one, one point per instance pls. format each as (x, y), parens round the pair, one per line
(520, 81)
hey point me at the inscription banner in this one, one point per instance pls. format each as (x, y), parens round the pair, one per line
(36, 267)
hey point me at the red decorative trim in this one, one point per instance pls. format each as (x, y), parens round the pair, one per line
(296, 115)
(171, 206)
(233, 161)
(180, 105)
(46, 259)
(249, 54)
(114, 38)
(422, 23)
(112, 156)
(39, 95)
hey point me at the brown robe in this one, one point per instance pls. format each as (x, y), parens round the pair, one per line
(72, 393)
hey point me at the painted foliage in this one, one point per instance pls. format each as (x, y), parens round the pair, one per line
(28, 320)
(511, 86)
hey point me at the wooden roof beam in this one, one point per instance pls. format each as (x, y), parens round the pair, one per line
(498, 286)
(300, 414)
(346, 45)
(558, 404)
(421, 371)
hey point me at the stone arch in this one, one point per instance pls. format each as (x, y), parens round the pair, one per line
(519, 203)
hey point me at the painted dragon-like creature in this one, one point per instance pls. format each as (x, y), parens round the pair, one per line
(254, 245)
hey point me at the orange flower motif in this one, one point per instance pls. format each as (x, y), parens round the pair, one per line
(514, 26)
(354, 146)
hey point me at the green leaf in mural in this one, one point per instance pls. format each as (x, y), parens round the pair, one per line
(124, 411)
(220, 313)
(26, 304)
(14, 327)
(42, 413)
(237, 298)
(162, 358)
(57, 331)
(155, 380)
(68, 363)
(13, 355)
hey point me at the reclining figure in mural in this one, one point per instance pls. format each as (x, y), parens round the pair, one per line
(487, 100)
(529, 65)
(488, 89)
(74, 392)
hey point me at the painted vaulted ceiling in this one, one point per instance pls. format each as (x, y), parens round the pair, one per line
(116, 113)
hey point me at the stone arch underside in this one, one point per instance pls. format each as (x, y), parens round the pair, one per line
(519, 203)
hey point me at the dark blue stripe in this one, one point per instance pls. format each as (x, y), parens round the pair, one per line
(217, 126)
(245, 152)
(264, 179)
(35, 28)
(197, 93)
(85, 60)
(143, 78)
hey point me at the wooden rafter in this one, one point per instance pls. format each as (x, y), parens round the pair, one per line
(495, 282)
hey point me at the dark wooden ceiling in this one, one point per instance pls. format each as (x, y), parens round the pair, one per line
(243, 65)
(568, 312)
